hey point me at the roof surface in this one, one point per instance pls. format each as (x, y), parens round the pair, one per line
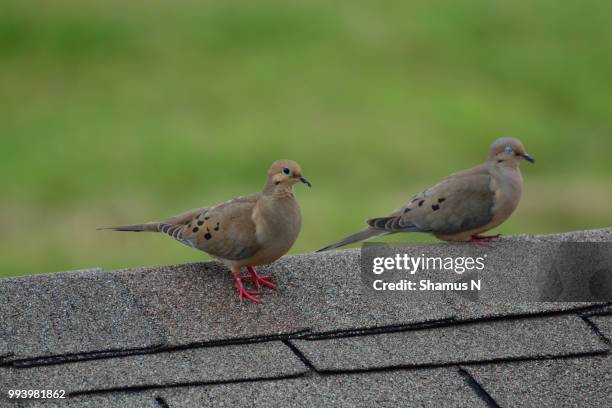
(175, 336)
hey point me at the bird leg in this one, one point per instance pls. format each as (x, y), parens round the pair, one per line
(483, 240)
(242, 292)
(259, 280)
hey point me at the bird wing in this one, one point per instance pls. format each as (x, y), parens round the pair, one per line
(461, 202)
(225, 231)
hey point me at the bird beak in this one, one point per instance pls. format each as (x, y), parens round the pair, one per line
(527, 157)
(303, 180)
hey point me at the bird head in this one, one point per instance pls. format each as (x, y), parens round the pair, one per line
(508, 150)
(285, 173)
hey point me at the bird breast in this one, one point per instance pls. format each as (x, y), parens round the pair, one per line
(278, 222)
(508, 190)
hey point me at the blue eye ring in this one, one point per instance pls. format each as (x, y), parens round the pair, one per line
(508, 149)
(287, 170)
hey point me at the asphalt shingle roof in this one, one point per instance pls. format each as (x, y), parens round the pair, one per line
(72, 313)
(461, 343)
(175, 336)
(571, 382)
(197, 365)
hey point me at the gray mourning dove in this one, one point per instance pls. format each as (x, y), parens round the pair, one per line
(461, 206)
(243, 232)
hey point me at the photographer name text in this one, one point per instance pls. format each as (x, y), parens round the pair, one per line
(411, 265)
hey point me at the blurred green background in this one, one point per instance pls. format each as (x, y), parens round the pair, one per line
(127, 111)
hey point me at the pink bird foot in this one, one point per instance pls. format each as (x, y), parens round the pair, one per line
(483, 240)
(242, 292)
(259, 280)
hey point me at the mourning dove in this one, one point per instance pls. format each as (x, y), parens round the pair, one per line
(461, 206)
(243, 232)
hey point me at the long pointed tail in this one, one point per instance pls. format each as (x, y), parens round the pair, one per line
(149, 226)
(365, 233)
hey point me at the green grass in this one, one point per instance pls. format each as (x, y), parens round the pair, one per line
(118, 113)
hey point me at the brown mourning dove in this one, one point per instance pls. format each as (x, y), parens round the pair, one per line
(461, 206)
(245, 231)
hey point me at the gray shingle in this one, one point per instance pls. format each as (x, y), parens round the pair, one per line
(5, 350)
(575, 382)
(431, 387)
(328, 290)
(483, 310)
(438, 387)
(76, 312)
(199, 365)
(503, 339)
(604, 324)
(145, 399)
(197, 303)
(594, 235)
(516, 278)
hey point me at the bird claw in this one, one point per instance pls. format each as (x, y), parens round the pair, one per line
(483, 240)
(250, 295)
(259, 280)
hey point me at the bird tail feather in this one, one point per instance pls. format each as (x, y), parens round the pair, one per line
(364, 234)
(149, 226)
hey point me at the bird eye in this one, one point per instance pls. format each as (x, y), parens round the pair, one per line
(508, 149)
(286, 170)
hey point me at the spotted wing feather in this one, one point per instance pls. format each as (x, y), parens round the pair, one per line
(225, 231)
(458, 203)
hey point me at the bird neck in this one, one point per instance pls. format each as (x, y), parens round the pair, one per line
(279, 204)
(280, 190)
(508, 171)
